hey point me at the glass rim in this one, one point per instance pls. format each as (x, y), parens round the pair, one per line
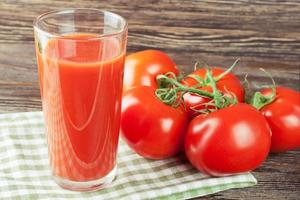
(61, 11)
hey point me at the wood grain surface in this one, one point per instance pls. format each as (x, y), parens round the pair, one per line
(262, 33)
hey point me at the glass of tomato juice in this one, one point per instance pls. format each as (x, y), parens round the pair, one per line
(80, 55)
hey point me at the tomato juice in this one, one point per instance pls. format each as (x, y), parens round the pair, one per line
(81, 85)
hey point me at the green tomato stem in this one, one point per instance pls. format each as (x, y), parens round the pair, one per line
(216, 92)
(227, 71)
(170, 90)
(259, 100)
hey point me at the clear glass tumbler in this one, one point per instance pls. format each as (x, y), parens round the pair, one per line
(80, 55)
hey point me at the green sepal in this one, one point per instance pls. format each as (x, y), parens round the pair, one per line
(259, 100)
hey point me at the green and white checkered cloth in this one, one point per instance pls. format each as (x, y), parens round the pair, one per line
(25, 172)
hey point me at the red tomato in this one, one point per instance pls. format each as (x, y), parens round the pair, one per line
(229, 83)
(232, 140)
(141, 68)
(283, 116)
(151, 128)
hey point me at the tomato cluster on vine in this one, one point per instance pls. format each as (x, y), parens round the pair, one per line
(205, 114)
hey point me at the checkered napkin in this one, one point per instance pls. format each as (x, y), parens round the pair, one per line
(25, 172)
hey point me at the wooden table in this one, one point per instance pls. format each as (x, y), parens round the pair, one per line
(262, 33)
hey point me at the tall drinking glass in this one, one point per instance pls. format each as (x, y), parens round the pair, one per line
(80, 54)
